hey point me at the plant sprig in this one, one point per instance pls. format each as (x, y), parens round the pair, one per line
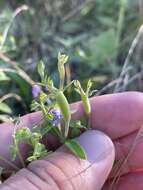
(57, 116)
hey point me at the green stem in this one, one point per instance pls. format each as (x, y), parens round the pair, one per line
(66, 129)
(68, 85)
(17, 146)
(43, 109)
(120, 22)
(62, 80)
(19, 153)
(88, 122)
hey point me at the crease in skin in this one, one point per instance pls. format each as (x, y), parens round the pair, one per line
(125, 165)
(33, 184)
(41, 173)
(48, 167)
(64, 173)
(123, 146)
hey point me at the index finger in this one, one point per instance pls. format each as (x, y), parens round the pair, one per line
(116, 115)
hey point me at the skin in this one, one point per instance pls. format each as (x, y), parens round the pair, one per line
(120, 116)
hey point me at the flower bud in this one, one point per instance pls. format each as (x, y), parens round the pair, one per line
(36, 90)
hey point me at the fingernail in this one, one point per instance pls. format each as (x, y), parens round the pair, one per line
(97, 145)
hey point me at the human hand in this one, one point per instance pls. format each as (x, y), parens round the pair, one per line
(119, 116)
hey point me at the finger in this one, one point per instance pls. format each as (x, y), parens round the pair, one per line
(132, 181)
(62, 170)
(130, 149)
(117, 114)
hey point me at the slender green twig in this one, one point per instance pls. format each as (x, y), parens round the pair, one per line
(17, 147)
(120, 22)
(127, 61)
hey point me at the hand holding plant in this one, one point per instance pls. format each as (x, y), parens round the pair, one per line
(87, 155)
(56, 116)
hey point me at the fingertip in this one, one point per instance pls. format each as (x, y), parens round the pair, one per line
(100, 153)
(98, 146)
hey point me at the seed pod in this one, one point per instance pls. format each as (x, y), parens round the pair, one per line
(84, 95)
(86, 104)
(62, 59)
(65, 109)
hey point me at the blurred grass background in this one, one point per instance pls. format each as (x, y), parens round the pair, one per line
(96, 34)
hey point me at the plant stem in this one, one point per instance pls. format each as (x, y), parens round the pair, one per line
(62, 80)
(66, 129)
(19, 153)
(121, 17)
(68, 85)
(17, 147)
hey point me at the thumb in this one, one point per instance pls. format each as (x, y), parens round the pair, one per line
(64, 171)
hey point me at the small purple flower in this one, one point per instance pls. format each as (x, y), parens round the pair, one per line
(36, 90)
(57, 116)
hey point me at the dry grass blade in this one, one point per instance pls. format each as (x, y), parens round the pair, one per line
(14, 64)
(118, 173)
(10, 95)
(5, 33)
(127, 61)
(108, 86)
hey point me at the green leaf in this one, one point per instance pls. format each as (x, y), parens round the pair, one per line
(23, 134)
(31, 158)
(107, 21)
(5, 108)
(35, 138)
(102, 48)
(41, 69)
(39, 152)
(35, 106)
(4, 117)
(13, 152)
(75, 147)
(75, 132)
(25, 88)
(39, 148)
(3, 77)
(77, 124)
(50, 82)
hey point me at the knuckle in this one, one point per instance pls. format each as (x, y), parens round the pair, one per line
(57, 173)
(24, 179)
(51, 174)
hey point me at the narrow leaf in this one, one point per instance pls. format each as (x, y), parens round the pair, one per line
(41, 69)
(75, 147)
(5, 108)
(3, 76)
(13, 152)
